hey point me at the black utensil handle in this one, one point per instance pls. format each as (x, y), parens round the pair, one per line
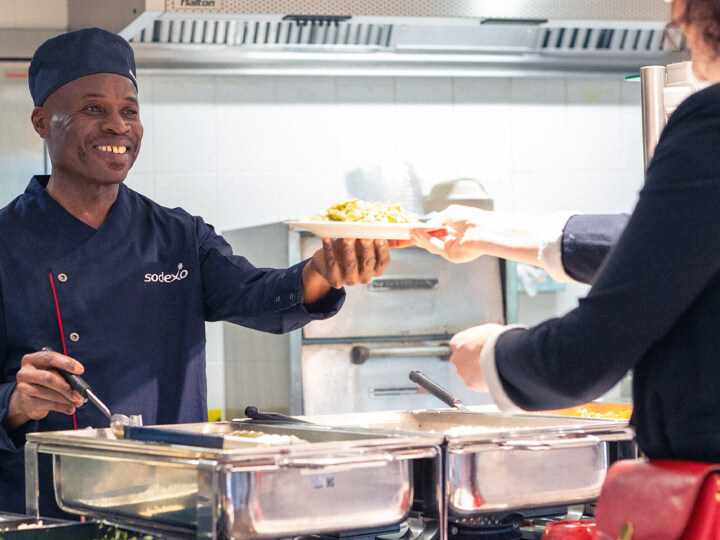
(434, 388)
(252, 412)
(76, 382)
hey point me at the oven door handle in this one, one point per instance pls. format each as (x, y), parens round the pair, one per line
(380, 284)
(395, 391)
(359, 354)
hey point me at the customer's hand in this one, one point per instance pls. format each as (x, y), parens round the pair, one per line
(466, 347)
(472, 232)
(41, 389)
(467, 232)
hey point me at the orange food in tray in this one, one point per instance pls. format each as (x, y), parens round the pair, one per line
(616, 411)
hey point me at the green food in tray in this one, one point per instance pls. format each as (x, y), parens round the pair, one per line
(112, 532)
(37, 530)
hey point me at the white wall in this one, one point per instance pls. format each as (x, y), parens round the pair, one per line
(34, 14)
(242, 151)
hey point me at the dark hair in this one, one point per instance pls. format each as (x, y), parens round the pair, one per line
(705, 14)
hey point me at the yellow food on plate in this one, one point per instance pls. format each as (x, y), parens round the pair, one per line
(356, 210)
(614, 411)
(624, 414)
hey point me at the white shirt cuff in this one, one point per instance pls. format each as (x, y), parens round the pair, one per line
(491, 375)
(550, 251)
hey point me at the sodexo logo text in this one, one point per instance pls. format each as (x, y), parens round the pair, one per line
(162, 277)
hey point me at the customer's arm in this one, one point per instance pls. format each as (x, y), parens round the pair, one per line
(569, 247)
(583, 246)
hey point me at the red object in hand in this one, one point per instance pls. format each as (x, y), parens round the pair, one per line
(569, 530)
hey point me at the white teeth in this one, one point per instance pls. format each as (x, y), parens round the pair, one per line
(113, 149)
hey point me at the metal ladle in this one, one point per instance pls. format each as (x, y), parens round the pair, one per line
(117, 421)
(438, 391)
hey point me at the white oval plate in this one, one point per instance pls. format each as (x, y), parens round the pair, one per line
(351, 229)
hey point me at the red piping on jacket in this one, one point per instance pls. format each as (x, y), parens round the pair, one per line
(62, 334)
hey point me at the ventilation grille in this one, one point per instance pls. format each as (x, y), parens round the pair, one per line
(564, 39)
(587, 10)
(330, 34)
(268, 33)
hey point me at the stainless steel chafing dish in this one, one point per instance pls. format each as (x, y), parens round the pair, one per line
(214, 481)
(495, 463)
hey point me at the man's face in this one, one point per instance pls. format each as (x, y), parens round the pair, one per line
(92, 129)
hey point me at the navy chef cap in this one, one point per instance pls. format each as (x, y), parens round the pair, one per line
(73, 55)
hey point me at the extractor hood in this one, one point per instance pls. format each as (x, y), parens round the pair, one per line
(463, 37)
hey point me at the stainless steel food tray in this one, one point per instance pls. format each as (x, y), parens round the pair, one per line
(218, 483)
(496, 463)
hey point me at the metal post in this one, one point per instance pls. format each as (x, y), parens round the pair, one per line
(652, 83)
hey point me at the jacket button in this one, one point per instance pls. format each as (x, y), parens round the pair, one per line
(74, 336)
(62, 277)
(277, 299)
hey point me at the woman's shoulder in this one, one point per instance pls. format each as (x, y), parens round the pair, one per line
(702, 102)
(697, 116)
(687, 150)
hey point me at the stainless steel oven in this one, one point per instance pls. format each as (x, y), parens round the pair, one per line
(359, 360)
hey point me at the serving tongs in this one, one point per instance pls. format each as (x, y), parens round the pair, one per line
(438, 391)
(253, 413)
(117, 421)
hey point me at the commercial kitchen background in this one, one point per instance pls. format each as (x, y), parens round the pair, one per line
(246, 150)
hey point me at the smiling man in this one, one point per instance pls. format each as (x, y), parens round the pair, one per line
(118, 285)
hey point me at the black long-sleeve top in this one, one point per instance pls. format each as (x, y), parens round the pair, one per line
(654, 306)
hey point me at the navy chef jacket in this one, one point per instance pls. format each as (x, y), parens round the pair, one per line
(133, 297)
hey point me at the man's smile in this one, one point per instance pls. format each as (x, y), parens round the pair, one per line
(112, 149)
